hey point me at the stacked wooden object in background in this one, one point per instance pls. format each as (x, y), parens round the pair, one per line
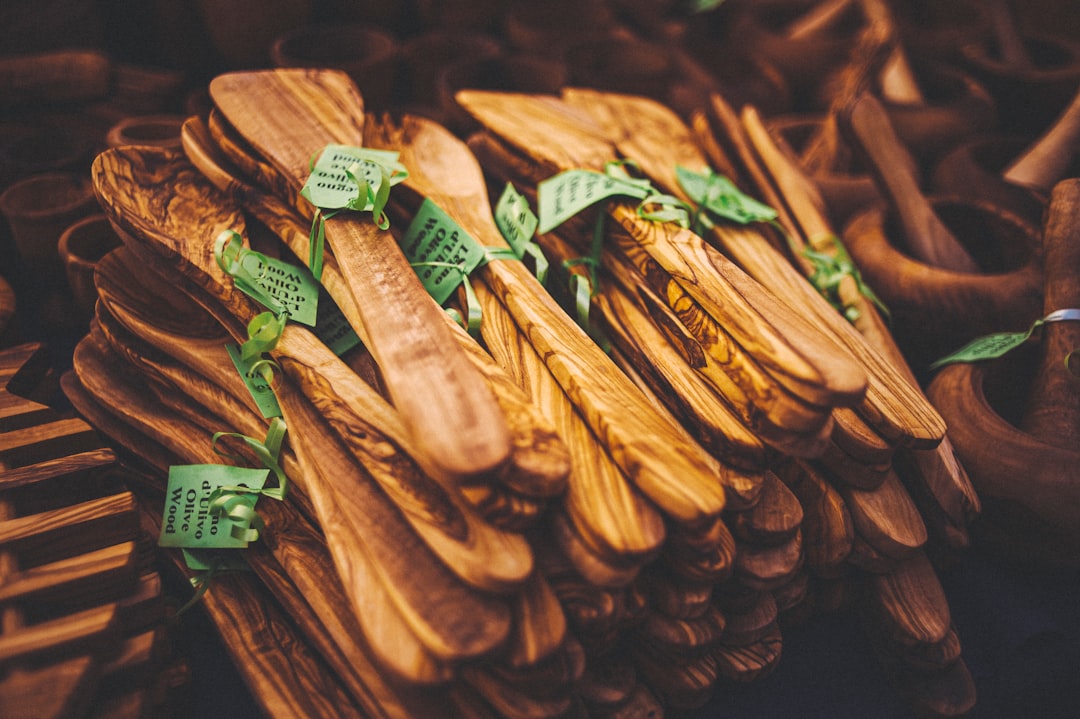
(524, 524)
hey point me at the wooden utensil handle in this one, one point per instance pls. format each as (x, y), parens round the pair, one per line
(1053, 412)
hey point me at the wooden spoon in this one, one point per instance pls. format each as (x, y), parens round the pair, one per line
(443, 399)
(680, 479)
(868, 129)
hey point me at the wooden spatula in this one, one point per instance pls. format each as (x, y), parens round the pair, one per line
(868, 128)
(672, 471)
(290, 115)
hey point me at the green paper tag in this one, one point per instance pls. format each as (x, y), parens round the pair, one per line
(997, 345)
(330, 186)
(256, 382)
(719, 196)
(517, 223)
(292, 286)
(562, 196)
(515, 219)
(333, 329)
(434, 237)
(188, 521)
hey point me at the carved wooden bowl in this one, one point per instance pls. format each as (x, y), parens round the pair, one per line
(1028, 487)
(935, 311)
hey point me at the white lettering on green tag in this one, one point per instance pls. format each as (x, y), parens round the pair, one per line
(333, 329)
(292, 286)
(330, 187)
(515, 219)
(562, 196)
(434, 237)
(187, 520)
(260, 389)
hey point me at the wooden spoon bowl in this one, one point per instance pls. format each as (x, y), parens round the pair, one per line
(935, 311)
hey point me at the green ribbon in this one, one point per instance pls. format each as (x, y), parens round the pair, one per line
(998, 345)
(229, 253)
(372, 173)
(264, 332)
(218, 565)
(715, 194)
(830, 271)
(229, 501)
(473, 311)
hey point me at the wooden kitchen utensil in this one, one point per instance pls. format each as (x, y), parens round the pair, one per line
(681, 481)
(316, 107)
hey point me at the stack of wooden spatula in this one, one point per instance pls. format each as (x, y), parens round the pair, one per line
(530, 527)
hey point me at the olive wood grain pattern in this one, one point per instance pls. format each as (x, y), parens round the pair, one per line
(775, 517)
(364, 655)
(676, 597)
(1052, 413)
(681, 479)
(827, 528)
(296, 342)
(774, 414)
(682, 634)
(910, 603)
(427, 375)
(390, 638)
(683, 681)
(451, 619)
(749, 662)
(368, 577)
(508, 701)
(890, 405)
(538, 464)
(886, 518)
(501, 113)
(868, 128)
(764, 567)
(286, 678)
(672, 377)
(937, 469)
(540, 627)
(596, 568)
(1047, 160)
(607, 510)
(748, 623)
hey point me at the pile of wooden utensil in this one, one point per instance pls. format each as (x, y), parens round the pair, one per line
(528, 527)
